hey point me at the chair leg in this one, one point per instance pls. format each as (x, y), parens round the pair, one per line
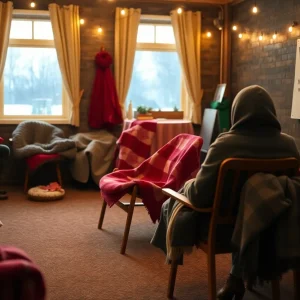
(172, 279)
(211, 268)
(296, 284)
(103, 209)
(58, 173)
(26, 180)
(276, 289)
(128, 220)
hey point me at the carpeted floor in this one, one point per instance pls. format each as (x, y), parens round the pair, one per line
(80, 262)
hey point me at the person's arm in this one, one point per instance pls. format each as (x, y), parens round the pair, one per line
(200, 191)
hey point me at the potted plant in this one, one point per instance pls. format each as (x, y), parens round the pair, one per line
(144, 112)
(175, 114)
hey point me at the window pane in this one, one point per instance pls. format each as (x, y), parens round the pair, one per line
(21, 30)
(32, 82)
(155, 80)
(42, 30)
(164, 34)
(145, 34)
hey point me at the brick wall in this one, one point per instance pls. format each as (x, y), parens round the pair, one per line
(268, 63)
(102, 13)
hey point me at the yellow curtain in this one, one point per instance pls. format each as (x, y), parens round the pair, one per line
(187, 31)
(126, 28)
(6, 10)
(66, 31)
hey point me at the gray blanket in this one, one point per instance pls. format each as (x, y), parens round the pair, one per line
(95, 155)
(267, 200)
(38, 137)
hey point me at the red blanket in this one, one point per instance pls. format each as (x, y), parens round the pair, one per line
(170, 167)
(20, 278)
(135, 144)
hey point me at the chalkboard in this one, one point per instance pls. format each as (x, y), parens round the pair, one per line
(295, 114)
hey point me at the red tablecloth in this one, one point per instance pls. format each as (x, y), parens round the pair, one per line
(166, 130)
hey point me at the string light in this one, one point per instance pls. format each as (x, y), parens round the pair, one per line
(254, 9)
(274, 36)
(123, 12)
(292, 26)
(208, 34)
(32, 4)
(179, 10)
(234, 27)
(240, 35)
(81, 21)
(100, 30)
(261, 36)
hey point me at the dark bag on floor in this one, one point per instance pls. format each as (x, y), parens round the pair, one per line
(20, 278)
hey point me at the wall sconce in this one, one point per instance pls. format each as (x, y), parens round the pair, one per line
(294, 24)
(179, 10)
(218, 22)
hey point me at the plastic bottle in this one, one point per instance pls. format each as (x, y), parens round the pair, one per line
(129, 111)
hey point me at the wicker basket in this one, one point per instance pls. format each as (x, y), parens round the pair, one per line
(39, 194)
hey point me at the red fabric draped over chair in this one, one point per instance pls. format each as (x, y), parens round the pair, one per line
(171, 166)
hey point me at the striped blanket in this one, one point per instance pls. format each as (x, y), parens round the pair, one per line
(135, 144)
(267, 229)
(169, 167)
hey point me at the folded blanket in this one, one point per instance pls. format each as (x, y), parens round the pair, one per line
(135, 144)
(95, 155)
(169, 167)
(38, 137)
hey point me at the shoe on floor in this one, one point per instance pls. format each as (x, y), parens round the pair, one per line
(233, 289)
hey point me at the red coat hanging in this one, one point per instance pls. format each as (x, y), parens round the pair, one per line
(105, 110)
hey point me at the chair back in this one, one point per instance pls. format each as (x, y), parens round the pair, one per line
(232, 175)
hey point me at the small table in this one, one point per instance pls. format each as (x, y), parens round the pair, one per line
(165, 131)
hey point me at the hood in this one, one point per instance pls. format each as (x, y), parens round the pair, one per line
(253, 108)
(103, 60)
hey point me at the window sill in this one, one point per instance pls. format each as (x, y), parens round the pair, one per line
(19, 120)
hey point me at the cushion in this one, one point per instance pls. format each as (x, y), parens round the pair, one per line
(34, 161)
(39, 193)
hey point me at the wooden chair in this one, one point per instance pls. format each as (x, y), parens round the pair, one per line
(240, 169)
(128, 207)
(161, 169)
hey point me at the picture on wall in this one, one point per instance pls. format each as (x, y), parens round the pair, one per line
(219, 93)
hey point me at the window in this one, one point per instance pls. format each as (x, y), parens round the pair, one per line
(31, 86)
(156, 77)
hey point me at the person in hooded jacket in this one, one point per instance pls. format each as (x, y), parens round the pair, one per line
(255, 133)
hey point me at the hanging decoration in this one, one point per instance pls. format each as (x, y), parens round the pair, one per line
(105, 110)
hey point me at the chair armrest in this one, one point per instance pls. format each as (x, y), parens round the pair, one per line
(184, 200)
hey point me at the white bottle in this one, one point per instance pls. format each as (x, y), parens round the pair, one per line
(129, 111)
